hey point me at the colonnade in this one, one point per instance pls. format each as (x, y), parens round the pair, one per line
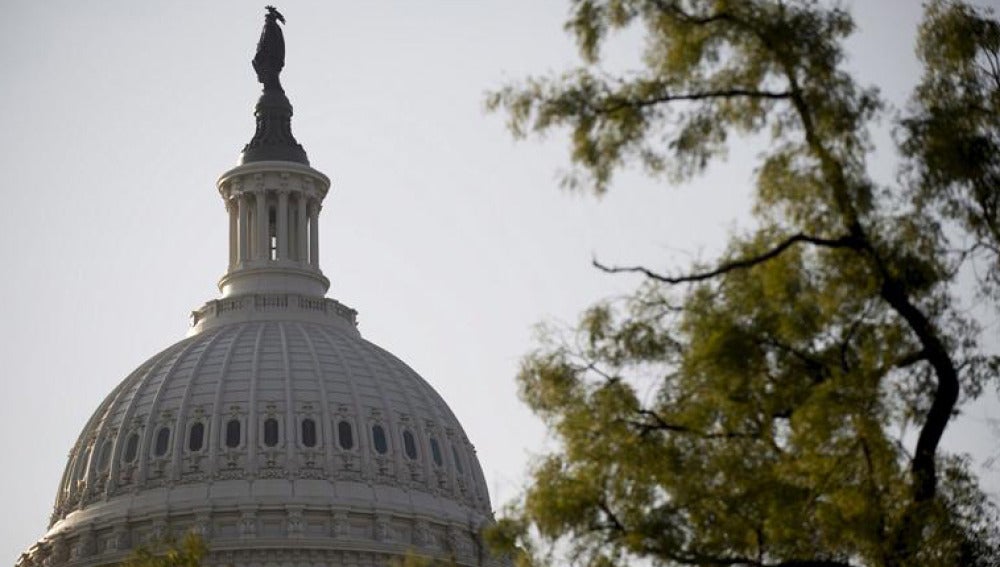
(273, 226)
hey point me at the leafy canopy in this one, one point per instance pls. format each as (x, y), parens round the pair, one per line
(754, 411)
(188, 553)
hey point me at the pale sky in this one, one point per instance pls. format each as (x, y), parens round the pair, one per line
(450, 239)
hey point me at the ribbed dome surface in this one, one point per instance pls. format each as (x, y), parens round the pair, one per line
(271, 430)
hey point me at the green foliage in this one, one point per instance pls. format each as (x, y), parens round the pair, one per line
(412, 559)
(952, 134)
(754, 411)
(188, 553)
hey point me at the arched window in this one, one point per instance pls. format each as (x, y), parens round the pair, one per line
(436, 452)
(270, 432)
(308, 432)
(345, 435)
(378, 437)
(458, 461)
(196, 438)
(233, 433)
(409, 445)
(131, 448)
(162, 442)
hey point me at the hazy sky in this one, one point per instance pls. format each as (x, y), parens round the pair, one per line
(450, 239)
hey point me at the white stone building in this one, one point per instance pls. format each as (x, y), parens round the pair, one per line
(274, 429)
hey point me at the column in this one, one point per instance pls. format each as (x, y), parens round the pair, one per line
(263, 237)
(301, 253)
(314, 234)
(282, 225)
(233, 209)
(244, 244)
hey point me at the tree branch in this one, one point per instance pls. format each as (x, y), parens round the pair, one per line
(691, 18)
(945, 396)
(705, 95)
(848, 241)
(613, 522)
(657, 423)
(894, 292)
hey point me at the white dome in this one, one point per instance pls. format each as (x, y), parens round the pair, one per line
(275, 431)
(272, 434)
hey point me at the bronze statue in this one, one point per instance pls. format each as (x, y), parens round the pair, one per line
(273, 139)
(270, 57)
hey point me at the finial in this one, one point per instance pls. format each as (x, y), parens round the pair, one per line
(273, 139)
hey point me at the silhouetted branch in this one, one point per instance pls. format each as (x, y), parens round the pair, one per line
(682, 97)
(655, 422)
(743, 263)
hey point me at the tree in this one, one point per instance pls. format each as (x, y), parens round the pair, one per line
(188, 553)
(785, 373)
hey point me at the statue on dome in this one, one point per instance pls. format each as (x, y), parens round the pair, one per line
(270, 57)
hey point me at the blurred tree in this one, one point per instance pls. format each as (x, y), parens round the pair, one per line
(414, 559)
(755, 411)
(188, 553)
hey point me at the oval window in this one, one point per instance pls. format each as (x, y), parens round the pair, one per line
(436, 452)
(162, 442)
(409, 445)
(131, 448)
(233, 433)
(270, 432)
(378, 437)
(458, 462)
(345, 435)
(196, 439)
(308, 433)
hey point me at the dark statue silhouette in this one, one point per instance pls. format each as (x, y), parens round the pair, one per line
(273, 139)
(270, 57)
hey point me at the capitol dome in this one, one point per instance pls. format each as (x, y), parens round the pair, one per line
(274, 430)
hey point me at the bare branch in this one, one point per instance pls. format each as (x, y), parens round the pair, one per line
(620, 103)
(656, 423)
(848, 241)
(911, 358)
(613, 522)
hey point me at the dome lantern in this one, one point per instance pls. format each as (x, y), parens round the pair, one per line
(273, 199)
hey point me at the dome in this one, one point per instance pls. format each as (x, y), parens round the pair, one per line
(273, 431)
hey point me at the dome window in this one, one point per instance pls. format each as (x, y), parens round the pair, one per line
(162, 442)
(378, 437)
(409, 445)
(196, 438)
(436, 452)
(270, 432)
(233, 433)
(131, 448)
(104, 457)
(345, 435)
(458, 461)
(308, 432)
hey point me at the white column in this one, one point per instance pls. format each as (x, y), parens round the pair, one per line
(301, 253)
(244, 244)
(314, 234)
(232, 207)
(282, 228)
(263, 244)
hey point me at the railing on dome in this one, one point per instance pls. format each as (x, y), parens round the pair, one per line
(244, 306)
